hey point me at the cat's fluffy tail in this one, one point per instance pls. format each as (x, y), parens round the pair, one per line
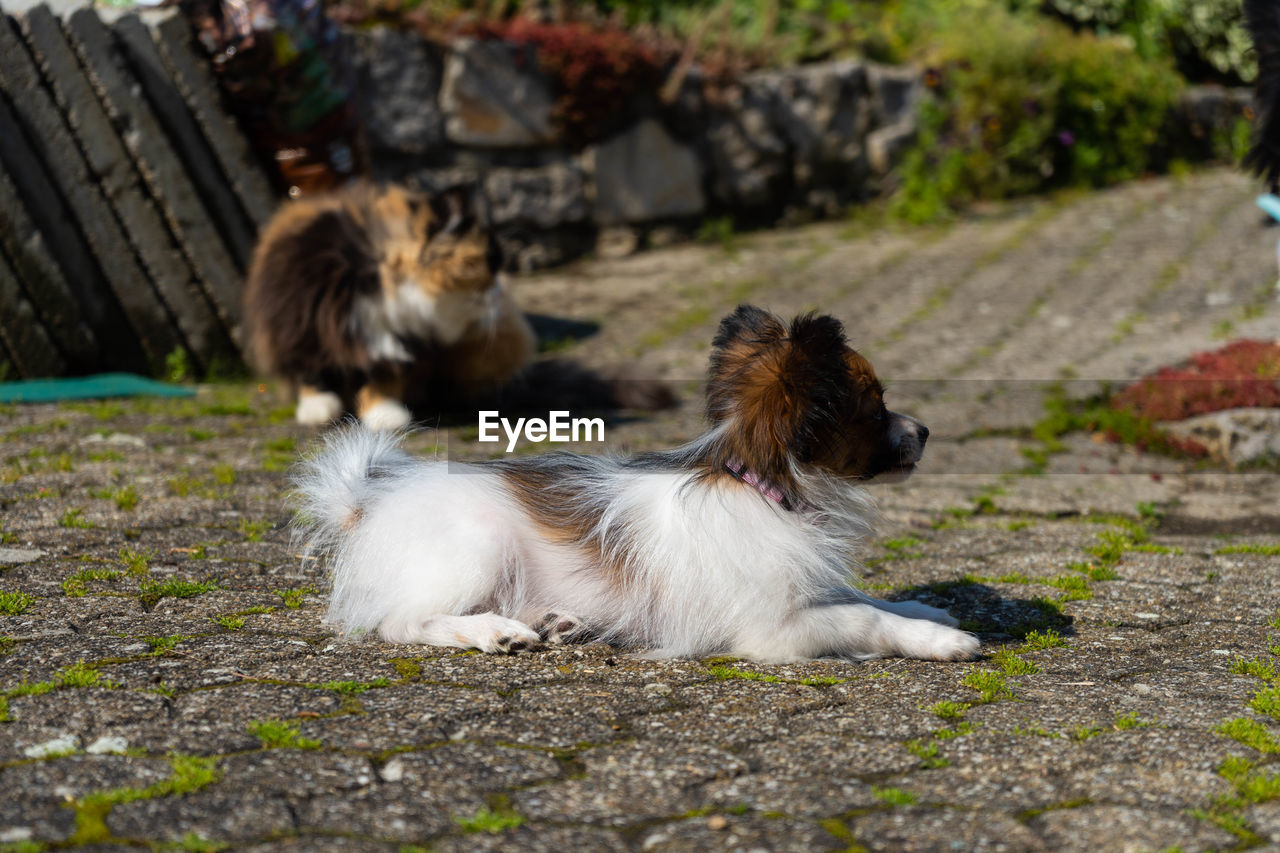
(334, 484)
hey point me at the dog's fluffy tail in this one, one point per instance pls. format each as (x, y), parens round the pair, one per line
(333, 485)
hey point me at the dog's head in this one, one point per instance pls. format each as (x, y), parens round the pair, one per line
(797, 396)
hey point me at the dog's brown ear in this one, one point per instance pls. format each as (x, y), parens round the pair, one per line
(750, 325)
(784, 390)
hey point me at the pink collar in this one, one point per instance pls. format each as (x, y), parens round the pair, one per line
(743, 474)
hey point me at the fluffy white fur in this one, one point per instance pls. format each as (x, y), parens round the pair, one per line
(445, 554)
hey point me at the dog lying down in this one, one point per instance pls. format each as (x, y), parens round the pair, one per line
(740, 542)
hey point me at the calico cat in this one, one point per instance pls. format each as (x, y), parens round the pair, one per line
(359, 296)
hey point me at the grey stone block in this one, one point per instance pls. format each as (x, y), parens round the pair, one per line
(120, 182)
(1234, 436)
(895, 92)
(28, 346)
(35, 109)
(187, 137)
(159, 165)
(750, 161)
(547, 196)
(397, 80)
(492, 96)
(190, 71)
(821, 110)
(43, 281)
(54, 225)
(643, 174)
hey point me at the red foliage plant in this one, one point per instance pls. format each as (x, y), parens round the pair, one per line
(596, 68)
(1244, 373)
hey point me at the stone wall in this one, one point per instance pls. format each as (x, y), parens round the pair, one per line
(790, 143)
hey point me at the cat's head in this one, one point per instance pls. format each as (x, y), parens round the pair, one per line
(435, 255)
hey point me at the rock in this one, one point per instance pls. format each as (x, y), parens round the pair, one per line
(13, 556)
(1234, 436)
(750, 166)
(824, 113)
(617, 241)
(396, 91)
(643, 174)
(546, 196)
(895, 91)
(885, 145)
(493, 96)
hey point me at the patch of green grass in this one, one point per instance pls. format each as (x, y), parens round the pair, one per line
(230, 623)
(820, 680)
(1130, 720)
(252, 531)
(350, 688)
(990, 685)
(278, 734)
(182, 484)
(136, 563)
(1258, 549)
(1267, 701)
(1082, 733)
(82, 675)
(893, 796)
(190, 773)
(489, 820)
(927, 752)
(960, 729)
(161, 645)
(1074, 587)
(407, 668)
(15, 603)
(227, 407)
(195, 434)
(1253, 784)
(151, 591)
(126, 499)
(1250, 733)
(1010, 664)
(223, 474)
(1263, 669)
(1094, 572)
(253, 611)
(948, 710)
(74, 517)
(292, 598)
(75, 586)
(726, 673)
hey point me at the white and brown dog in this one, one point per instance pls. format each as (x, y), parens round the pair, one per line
(741, 542)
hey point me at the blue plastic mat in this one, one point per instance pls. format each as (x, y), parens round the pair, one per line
(88, 387)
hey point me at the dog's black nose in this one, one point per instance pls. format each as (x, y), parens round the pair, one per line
(922, 433)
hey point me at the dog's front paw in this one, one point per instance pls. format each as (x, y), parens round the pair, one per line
(949, 644)
(557, 628)
(505, 636)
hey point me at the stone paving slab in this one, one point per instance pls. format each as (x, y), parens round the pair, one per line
(167, 678)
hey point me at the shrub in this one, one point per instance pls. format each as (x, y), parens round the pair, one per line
(1242, 373)
(1023, 104)
(1205, 37)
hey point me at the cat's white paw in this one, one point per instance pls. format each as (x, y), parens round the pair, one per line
(386, 415)
(318, 409)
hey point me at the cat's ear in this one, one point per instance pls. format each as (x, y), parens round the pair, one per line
(451, 212)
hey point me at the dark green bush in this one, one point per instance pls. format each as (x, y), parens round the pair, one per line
(1023, 104)
(1207, 38)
